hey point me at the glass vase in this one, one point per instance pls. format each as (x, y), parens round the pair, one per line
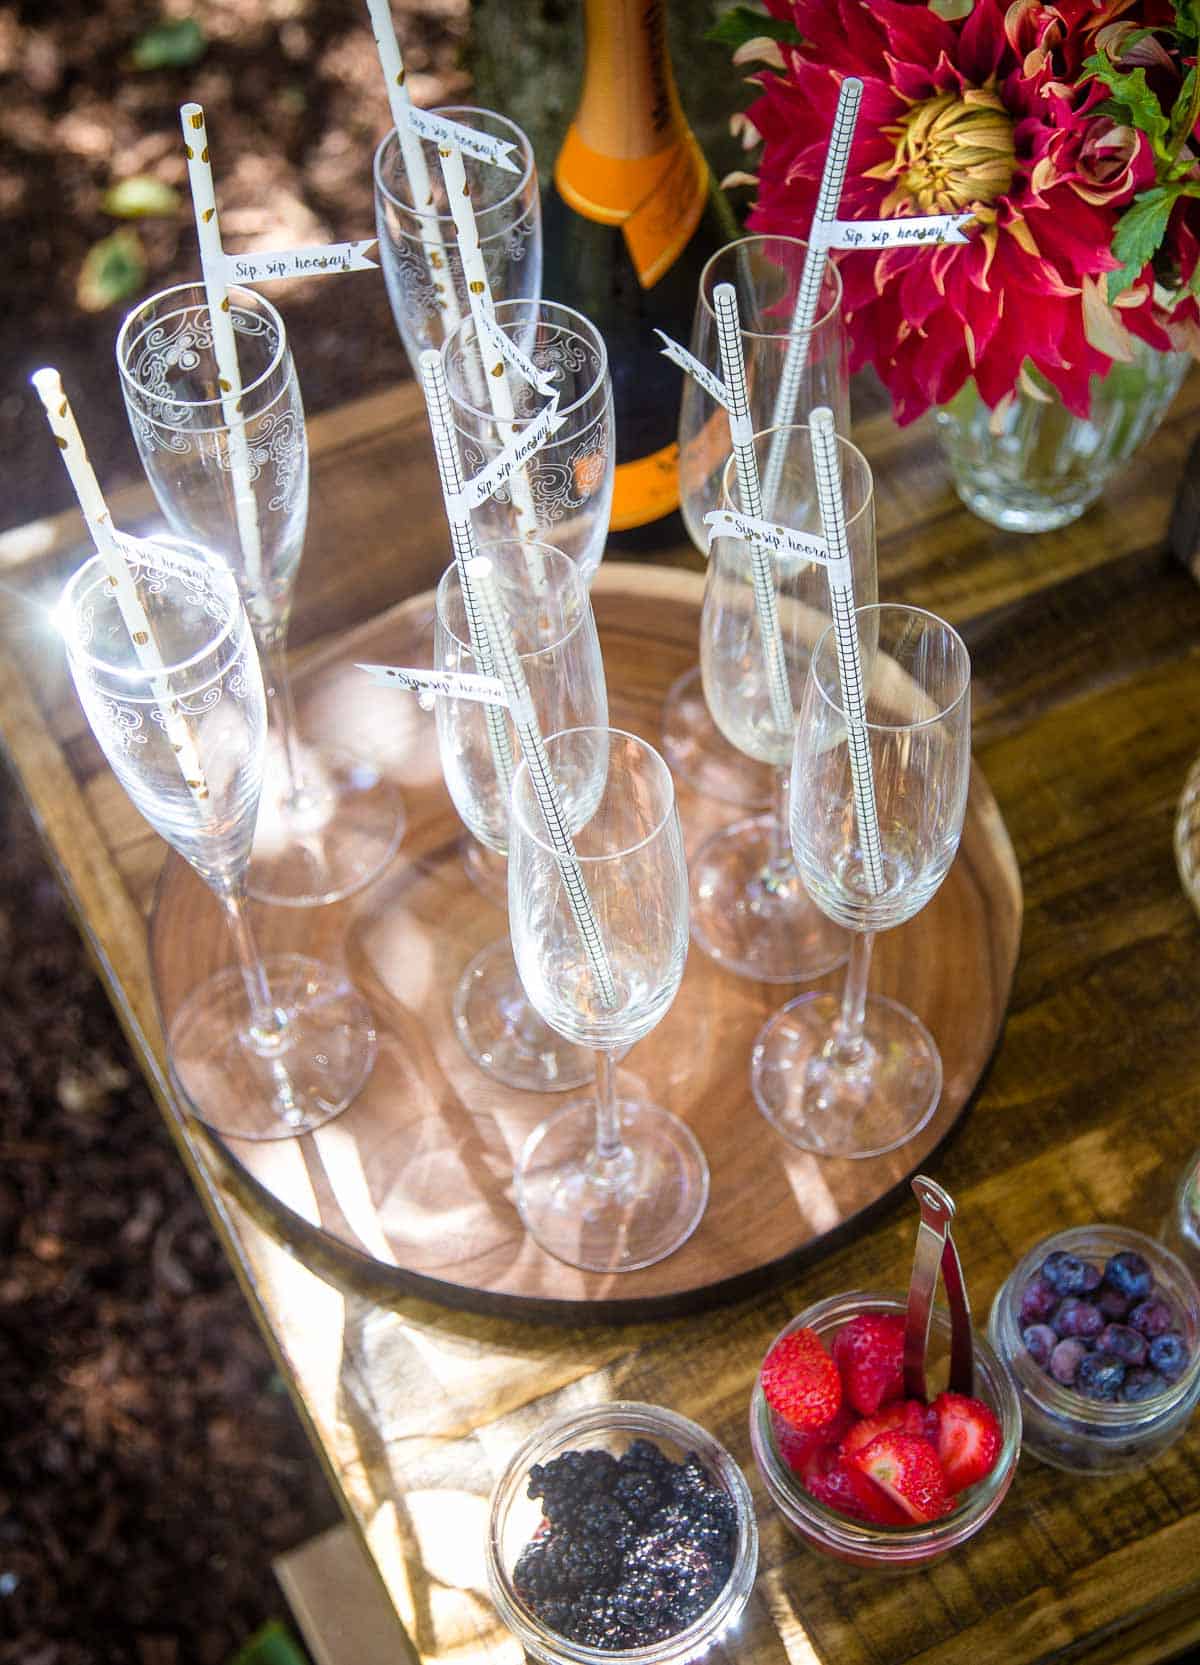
(1031, 465)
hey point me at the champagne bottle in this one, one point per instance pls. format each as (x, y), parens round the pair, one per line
(631, 218)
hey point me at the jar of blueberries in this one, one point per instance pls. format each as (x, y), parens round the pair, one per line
(621, 1532)
(1100, 1327)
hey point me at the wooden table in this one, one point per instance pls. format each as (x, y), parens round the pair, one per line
(1087, 689)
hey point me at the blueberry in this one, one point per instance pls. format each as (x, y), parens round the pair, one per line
(1152, 1317)
(1169, 1354)
(1066, 1359)
(1041, 1341)
(1077, 1317)
(1038, 1301)
(1100, 1376)
(1112, 1303)
(1068, 1274)
(1124, 1343)
(1141, 1384)
(1130, 1273)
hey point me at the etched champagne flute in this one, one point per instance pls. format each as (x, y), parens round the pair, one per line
(750, 910)
(609, 1183)
(859, 1076)
(329, 820)
(418, 239)
(554, 631)
(765, 272)
(274, 1047)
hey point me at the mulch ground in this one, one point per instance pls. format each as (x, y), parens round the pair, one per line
(151, 1463)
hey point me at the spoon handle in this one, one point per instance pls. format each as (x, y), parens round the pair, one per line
(962, 1348)
(937, 1210)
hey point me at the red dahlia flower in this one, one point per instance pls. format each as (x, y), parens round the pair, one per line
(994, 114)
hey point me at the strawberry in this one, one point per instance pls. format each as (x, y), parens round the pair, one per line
(841, 1486)
(869, 1353)
(800, 1381)
(907, 1469)
(795, 1445)
(968, 1438)
(902, 1416)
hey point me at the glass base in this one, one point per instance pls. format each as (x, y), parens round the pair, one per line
(861, 1107)
(699, 753)
(618, 1216)
(487, 871)
(247, 1091)
(752, 924)
(337, 835)
(502, 1034)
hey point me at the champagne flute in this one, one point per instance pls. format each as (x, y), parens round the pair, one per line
(859, 1076)
(606, 1183)
(554, 632)
(765, 272)
(329, 821)
(564, 493)
(275, 1047)
(418, 240)
(750, 911)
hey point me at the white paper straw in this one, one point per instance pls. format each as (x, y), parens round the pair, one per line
(462, 539)
(827, 469)
(65, 429)
(412, 151)
(212, 266)
(741, 431)
(829, 195)
(508, 667)
(479, 295)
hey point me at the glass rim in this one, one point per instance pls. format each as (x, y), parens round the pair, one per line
(455, 112)
(831, 270)
(894, 728)
(843, 445)
(538, 838)
(197, 287)
(73, 592)
(451, 574)
(489, 415)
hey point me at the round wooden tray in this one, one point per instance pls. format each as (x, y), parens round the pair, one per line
(414, 1181)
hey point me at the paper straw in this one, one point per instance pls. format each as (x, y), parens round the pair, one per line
(533, 748)
(212, 266)
(827, 470)
(412, 151)
(733, 368)
(462, 540)
(829, 195)
(65, 429)
(483, 310)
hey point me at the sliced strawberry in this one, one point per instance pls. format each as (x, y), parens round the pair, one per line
(801, 1382)
(795, 1444)
(869, 1353)
(902, 1416)
(908, 1470)
(841, 1486)
(968, 1439)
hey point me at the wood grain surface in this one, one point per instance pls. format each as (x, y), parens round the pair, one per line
(1087, 700)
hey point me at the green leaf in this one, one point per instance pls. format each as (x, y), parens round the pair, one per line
(1129, 89)
(1139, 233)
(141, 198)
(171, 45)
(1187, 19)
(1183, 109)
(735, 27)
(274, 1644)
(112, 270)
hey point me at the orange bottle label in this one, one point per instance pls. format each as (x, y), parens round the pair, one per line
(646, 489)
(656, 200)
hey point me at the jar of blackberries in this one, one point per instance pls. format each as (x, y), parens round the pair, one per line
(1100, 1328)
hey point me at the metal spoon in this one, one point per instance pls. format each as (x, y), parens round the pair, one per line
(935, 1251)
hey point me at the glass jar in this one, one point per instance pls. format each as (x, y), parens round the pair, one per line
(1089, 1436)
(890, 1549)
(1181, 1229)
(515, 1517)
(1031, 465)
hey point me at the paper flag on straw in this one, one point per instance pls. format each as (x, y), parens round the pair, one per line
(268, 265)
(458, 685)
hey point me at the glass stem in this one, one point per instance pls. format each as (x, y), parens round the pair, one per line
(268, 1025)
(272, 644)
(608, 1136)
(848, 1034)
(781, 838)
